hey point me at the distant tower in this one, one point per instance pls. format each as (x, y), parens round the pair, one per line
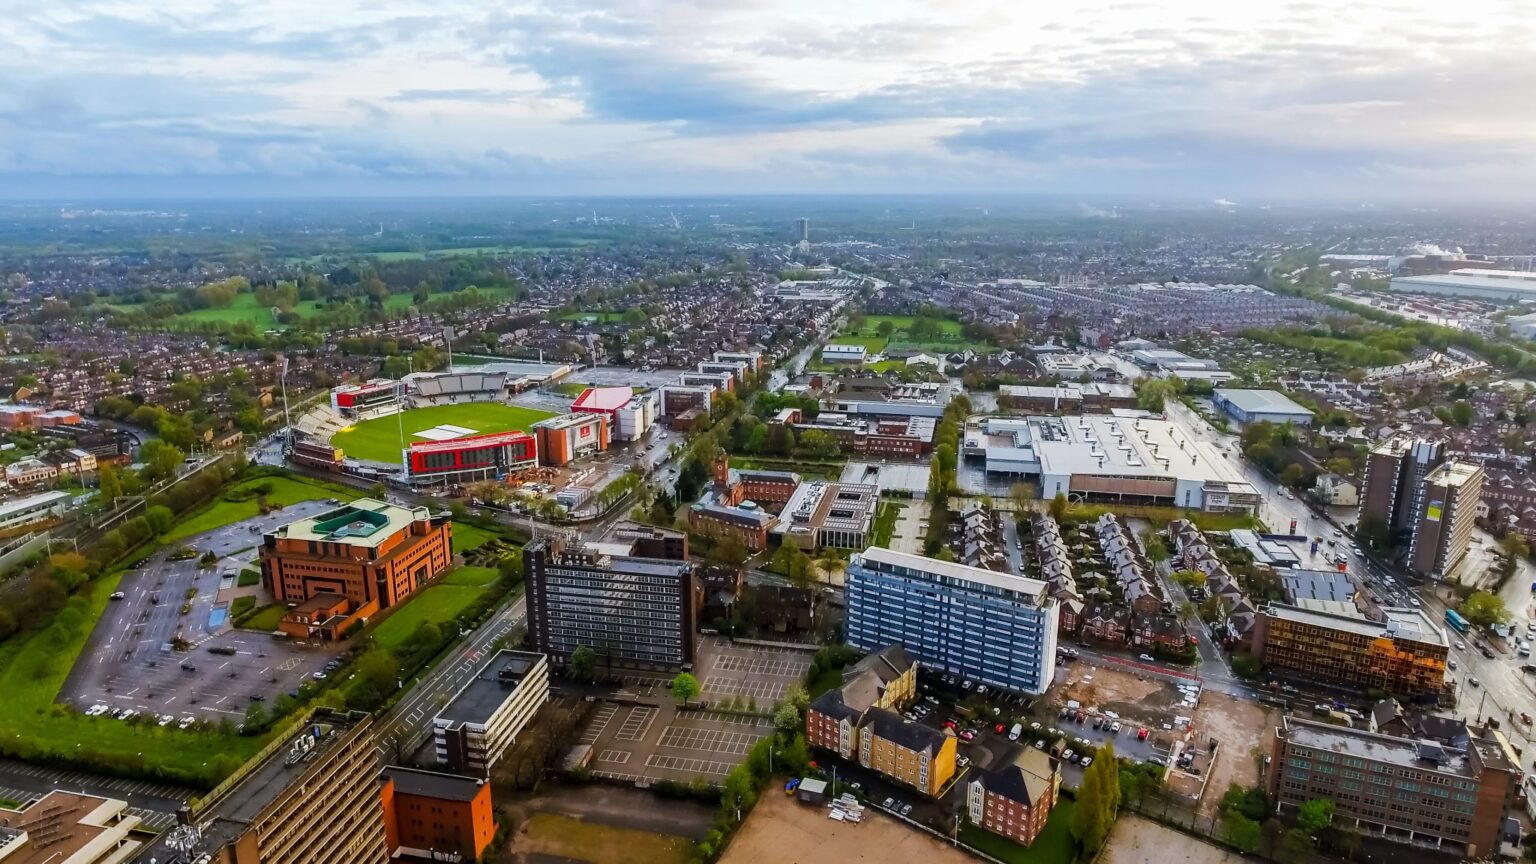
(803, 225)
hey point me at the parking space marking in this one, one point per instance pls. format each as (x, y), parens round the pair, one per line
(637, 724)
(734, 719)
(770, 666)
(721, 686)
(599, 723)
(708, 740)
(696, 766)
(616, 757)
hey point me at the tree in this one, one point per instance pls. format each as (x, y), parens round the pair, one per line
(1189, 580)
(1152, 395)
(1242, 832)
(786, 718)
(1295, 845)
(1484, 608)
(1294, 475)
(885, 329)
(160, 460)
(1156, 549)
(582, 666)
(160, 518)
(1315, 815)
(110, 483)
(1097, 799)
(1059, 506)
(1462, 413)
(685, 687)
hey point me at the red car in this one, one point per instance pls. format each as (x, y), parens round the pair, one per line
(999, 728)
(949, 724)
(1141, 734)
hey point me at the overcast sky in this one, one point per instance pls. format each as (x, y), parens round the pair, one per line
(1236, 99)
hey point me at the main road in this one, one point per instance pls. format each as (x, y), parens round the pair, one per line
(408, 724)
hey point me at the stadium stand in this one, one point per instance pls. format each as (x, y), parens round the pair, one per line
(455, 388)
(320, 423)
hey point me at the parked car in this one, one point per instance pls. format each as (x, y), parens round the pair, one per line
(1147, 658)
(1141, 734)
(1087, 760)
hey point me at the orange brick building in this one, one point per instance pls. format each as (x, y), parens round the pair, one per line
(568, 437)
(366, 552)
(430, 816)
(1015, 800)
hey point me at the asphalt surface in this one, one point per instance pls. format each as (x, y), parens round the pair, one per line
(409, 724)
(130, 660)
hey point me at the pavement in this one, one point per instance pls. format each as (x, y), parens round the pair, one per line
(130, 660)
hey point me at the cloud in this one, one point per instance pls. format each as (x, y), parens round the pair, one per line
(1231, 101)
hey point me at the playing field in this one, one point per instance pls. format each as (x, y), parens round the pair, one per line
(378, 440)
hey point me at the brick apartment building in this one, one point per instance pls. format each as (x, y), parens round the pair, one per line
(1015, 800)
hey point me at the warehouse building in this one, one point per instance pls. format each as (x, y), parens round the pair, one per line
(1261, 406)
(33, 510)
(1506, 285)
(484, 718)
(630, 412)
(1125, 457)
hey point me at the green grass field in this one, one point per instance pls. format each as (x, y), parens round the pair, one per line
(437, 603)
(1054, 845)
(32, 670)
(378, 440)
(244, 308)
(873, 344)
(604, 317)
(467, 537)
(285, 491)
(903, 323)
(474, 577)
(265, 619)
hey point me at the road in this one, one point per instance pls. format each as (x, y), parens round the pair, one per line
(410, 722)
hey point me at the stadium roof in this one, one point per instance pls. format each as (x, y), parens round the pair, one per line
(603, 398)
(470, 442)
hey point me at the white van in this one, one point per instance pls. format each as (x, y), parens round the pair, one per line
(1015, 732)
(1525, 649)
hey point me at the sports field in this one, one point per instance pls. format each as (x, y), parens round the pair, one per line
(378, 440)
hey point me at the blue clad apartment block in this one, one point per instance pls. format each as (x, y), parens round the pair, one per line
(994, 628)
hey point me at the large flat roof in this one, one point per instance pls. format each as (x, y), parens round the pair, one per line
(486, 692)
(39, 500)
(1375, 746)
(952, 570)
(1098, 444)
(364, 522)
(1401, 623)
(1263, 401)
(603, 398)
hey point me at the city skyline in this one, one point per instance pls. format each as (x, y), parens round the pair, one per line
(1292, 102)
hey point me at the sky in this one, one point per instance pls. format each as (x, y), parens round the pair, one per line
(1235, 100)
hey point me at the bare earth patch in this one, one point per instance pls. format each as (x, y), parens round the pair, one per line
(1135, 840)
(783, 831)
(1246, 731)
(1122, 692)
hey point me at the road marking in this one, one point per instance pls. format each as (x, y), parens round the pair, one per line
(695, 766)
(637, 724)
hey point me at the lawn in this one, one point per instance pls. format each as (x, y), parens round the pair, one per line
(265, 619)
(378, 440)
(285, 491)
(1054, 845)
(885, 524)
(903, 323)
(246, 309)
(570, 388)
(32, 670)
(467, 537)
(550, 836)
(470, 576)
(436, 603)
(872, 344)
(603, 317)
